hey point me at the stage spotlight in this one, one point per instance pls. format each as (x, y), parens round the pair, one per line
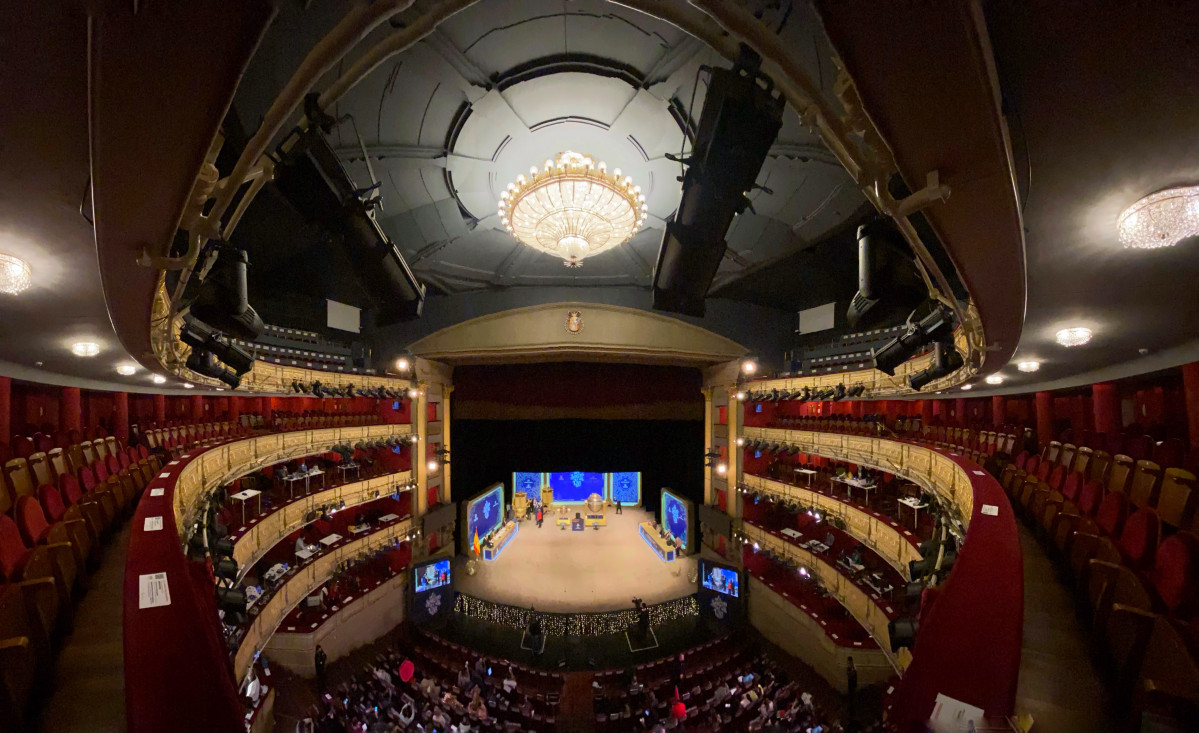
(222, 299)
(232, 600)
(221, 548)
(740, 396)
(433, 465)
(226, 568)
(749, 366)
(205, 363)
(740, 441)
(199, 335)
(773, 396)
(946, 360)
(937, 325)
(722, 468)
(402, 364)
(889, 283)
(839, 392)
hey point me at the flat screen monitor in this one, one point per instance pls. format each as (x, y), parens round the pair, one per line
(573, 487)
(484, 513)
(431, 575)
(719, 578)
(675, 518)
(528, 482)
(625, 487)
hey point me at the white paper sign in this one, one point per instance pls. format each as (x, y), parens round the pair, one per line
(153, 524)
(157, 492)
(165, 475)
(153, 590)
(980, 473)
(991, 510)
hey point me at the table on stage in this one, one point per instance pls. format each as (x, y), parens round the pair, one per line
(655, 541)
(500, 540)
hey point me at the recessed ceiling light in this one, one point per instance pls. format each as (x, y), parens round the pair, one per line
(15, 274)
(1070, 337)
(995, 379)
(188, 385)
(126, 369)
(1160, 219)
(1028, 366)
(749, 366)
(159, 379)
(402, 364)
(85, 348)
(966, 387)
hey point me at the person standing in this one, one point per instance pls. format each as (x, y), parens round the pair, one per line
(851, 684)
(320, 660)
(539, 517)
(618, 506)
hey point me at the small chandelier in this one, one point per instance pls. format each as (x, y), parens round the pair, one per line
(1162, 219)
(573, 208)
(15, 274)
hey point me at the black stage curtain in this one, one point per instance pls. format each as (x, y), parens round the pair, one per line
(668, 453)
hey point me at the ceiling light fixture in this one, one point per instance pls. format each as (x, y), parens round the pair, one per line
(994, 379)
(15, 274)
(1070, 337)
(967, 387)
(126, 370)
(749, 366)
(188, 385)
(1028, 366)
(159, 379)
(572, 208)
(402, 364)
(1160, 219)
(85, 348)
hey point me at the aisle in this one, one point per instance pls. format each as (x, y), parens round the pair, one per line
(88, 692)
(577, 711)
(1059, 685)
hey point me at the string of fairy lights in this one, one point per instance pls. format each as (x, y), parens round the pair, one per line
(574, 624)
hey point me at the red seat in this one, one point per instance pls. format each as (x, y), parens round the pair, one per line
(1175, 575)
(35, 530)
(1139, 538)
(23, 447)
(143, 451)
(14, 553)
(1113, 511)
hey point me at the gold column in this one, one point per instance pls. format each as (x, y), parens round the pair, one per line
(420, 457)
(445, 440)
(709, 499)
(733, 505)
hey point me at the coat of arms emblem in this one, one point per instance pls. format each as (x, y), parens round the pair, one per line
(574, 321)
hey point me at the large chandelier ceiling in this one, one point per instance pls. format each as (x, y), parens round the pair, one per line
(1161, 219)
(15, 274)
(573, 208)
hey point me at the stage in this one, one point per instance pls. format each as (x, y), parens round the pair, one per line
(593, 570)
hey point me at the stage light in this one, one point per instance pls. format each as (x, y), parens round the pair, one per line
(413, 393)
(757, 547)
(1028, 366)
(222, 299)
(946, 360)
(994, 379)
(889, 283)
(740, 441)
(85, 348)
(126, 370)
(749, 366)
(432, 466)
(188, 385)
(721, 469)
(803, 571)
(1071, 337)
(937, 325)
(205, 363)
(967, 387)
(402, 364)
(740, 396)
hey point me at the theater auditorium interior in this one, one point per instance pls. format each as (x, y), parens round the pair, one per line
(812, 366)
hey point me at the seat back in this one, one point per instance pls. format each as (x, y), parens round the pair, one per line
(89, 452)
(1143, 487)
(1139, 537)
(39, 464)
(1065, 457)
(13, 550)
(31, 521)
(58, 462)
(112, 445)
(1057, 477)
(1176, 574)
(1176, 501)
(1113, 510)
(143, 452)
(52, 503)
(1101, 466)
(1051, 452)
(113, 465)
(1021, 460)
(20, 478)
(101, 471)
(1082, 459)
(100, 449)
(69, 489)
(1120, 475)
(22, 447)
(1072, 486)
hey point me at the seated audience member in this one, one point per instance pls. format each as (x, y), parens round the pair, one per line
(477, 708)
(510, 681)
(464, 676)
(721, 693)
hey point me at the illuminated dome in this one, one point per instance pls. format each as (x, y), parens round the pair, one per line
(573, 208)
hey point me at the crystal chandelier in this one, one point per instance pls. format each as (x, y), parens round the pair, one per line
(573, 208)
(1161, 219)
(15, 275)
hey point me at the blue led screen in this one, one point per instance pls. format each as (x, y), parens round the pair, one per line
(720, 578)
(573, 487)
(674, 517)
(530, 483)
(626, 487)
(485, 513)
(432, 575)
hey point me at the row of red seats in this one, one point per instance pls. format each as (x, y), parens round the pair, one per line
(1124, 533)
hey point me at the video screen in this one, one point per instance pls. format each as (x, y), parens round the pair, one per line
(719, 578)
(485, 513)
(530, 483)
(573, 487)
(674, 518)
(433, 575)
(625, 487)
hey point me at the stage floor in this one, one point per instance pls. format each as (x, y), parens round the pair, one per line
(593, 570)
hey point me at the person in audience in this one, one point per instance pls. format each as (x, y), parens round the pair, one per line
(851, 684)
(477, 708)
(464, 676)
(319, 660)
(509, 681)
(721, 693)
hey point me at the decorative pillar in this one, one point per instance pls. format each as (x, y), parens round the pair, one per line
(1190, 390)
(160, 409)
(265, 409)
(70, 408)
(197, 407)
(1044, 407)
(120, 416)
(959, 411)
(420, 452)
(1105, 398)
(926, 412)
(5, 407)
(998, 410)
(733, 503)
(445, 441)
(235, 409)
(709, 441)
